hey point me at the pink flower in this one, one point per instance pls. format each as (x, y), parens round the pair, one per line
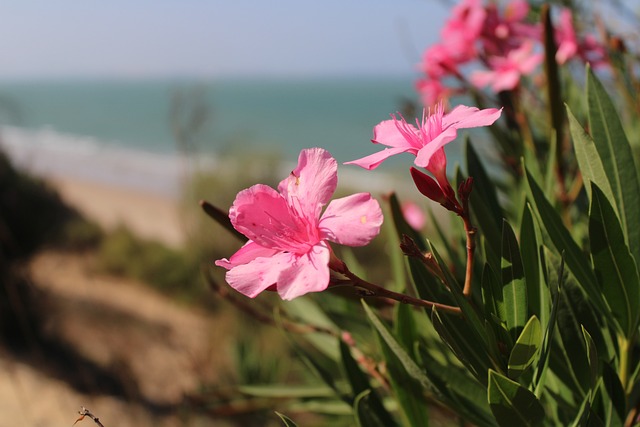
(414, 216)
(566, 39)
(288, 233)
(427, 139)
(588, 49)
(461, 32)
(506, 71)
(502, 34)
(432, 91)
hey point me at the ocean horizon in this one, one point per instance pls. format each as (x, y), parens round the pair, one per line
(120, 132)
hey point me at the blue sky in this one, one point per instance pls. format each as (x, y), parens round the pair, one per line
(210, 39)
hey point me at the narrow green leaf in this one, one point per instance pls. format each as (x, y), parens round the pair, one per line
(555, 287)
(561, 238)
(484, 205)
(588, 159)
(408, 391)
(554, 88)
(456, 387)
(405, 327)
(614, 399)
(617, 158)
(365, 417)
(409, 364)
(530, 247)
(323, 366)
(360, 383)
(512, 404)
(462, 342)
(514, 289)
(288, 422)
(482, 184)
(592, 358)
(286, 391)
(526, 348)
(614, 266)
(492, 294)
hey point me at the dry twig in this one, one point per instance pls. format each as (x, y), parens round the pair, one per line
(84, 412)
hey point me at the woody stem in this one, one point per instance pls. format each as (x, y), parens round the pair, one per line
(379, 291)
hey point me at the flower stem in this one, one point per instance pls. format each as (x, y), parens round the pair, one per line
(471, 247)
(379, 291)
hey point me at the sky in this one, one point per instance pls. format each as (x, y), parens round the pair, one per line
(43, 39)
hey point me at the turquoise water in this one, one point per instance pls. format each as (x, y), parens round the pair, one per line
(285, 116)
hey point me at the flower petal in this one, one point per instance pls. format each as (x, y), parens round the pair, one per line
(309, 273)
(463, 117)
(254, 277)
(424, 155)
(264, 216)
(312, 183)
(353, 220)
(374, 160)
(247, 253)
(396, 133)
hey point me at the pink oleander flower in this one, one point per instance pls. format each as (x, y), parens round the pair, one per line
(438, 61)
(433, 92)
(288, 234)
(414, 216)
(506, 71)
(462, 30)
(427, 139)
(566, 39)
(588, 49)
(507, 31)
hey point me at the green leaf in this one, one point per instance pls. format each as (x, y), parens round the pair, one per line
(492, 294)
(554, 88)
(512, 404)
(526, 348)
(614, 266)
(614, 399)
(288, 422)
(617, 158)
(407, 362)
(360, 383)
(463, 342)
(514, 289)
(408, 391)
(485, 207)
(405, 327)
(574, 257)
(457, 388)
(286, 391)
(365, 417)
(588, 159)
(555, 287)
(592, 359)
(538, 298)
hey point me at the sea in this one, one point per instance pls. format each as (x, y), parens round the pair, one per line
(127, 132)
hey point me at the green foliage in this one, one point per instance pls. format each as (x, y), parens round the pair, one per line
(170, 270)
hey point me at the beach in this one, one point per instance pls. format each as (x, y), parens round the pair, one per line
(148, 215)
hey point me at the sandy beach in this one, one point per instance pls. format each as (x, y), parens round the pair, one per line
(149, 215)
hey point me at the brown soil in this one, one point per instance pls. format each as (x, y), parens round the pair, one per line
(135, 353)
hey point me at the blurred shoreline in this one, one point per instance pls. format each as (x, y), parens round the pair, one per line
(110, 186)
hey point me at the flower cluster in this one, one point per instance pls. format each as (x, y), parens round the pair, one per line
(498, 46)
